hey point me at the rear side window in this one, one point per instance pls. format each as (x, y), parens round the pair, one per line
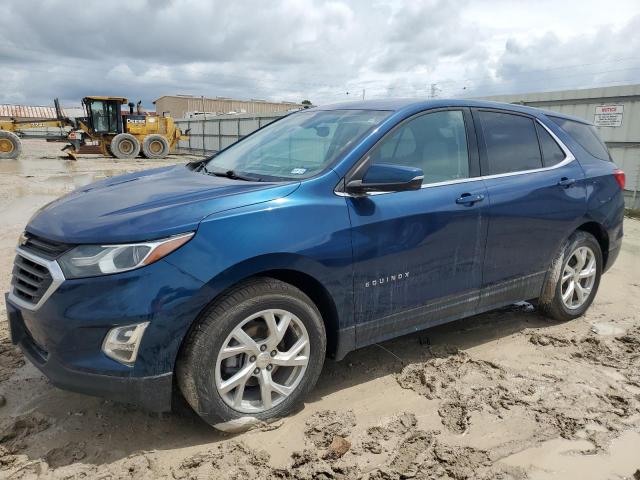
(585, 135)
(511, 141)
(552, 154)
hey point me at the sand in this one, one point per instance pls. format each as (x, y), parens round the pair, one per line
(507, 395)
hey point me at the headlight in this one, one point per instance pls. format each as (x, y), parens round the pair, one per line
(94, 260)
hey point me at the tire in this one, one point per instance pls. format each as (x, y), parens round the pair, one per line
(551, 303)
(125, 145)
(10, 145)
(201, 374)
(155, 146)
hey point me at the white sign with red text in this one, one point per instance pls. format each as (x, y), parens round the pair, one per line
(608, 115)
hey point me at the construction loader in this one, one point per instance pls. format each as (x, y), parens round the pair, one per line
(112, 131)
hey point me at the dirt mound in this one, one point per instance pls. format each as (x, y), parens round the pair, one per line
(69, 453)
(235, 459)
(420, 454)
(323, 426)
(14, 431)
(308, 465)
(545, 340)
(379, 436)
(464, 385)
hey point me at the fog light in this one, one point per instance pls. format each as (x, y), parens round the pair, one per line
(122, 343)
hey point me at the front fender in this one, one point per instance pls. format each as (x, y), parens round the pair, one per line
(305, 232)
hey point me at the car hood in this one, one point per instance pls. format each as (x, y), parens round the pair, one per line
(146, 205)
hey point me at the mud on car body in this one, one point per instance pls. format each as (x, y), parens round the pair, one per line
(230, 280)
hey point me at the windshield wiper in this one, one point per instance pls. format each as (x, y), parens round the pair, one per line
(230, 174)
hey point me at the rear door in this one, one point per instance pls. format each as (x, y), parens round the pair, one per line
(418, 254)
(536, 194)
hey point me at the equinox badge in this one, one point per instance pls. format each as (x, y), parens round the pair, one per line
(389, 278)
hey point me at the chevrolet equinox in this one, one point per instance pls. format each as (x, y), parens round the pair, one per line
(230, 279)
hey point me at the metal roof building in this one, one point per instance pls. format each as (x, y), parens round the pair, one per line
(35, 113)
(179, 106)
(615, 111)
(28, 112)
(25, 112)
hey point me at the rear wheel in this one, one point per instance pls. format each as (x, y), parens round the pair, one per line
(10, 145)
(258, 351)
(125, 145)
(573, 279)
(155, 146)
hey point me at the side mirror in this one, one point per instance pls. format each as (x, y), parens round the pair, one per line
(387, 178)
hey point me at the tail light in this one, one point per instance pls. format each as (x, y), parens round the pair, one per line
(620, 177)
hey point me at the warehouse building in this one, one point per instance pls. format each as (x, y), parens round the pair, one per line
(184, 106)
(615, 111)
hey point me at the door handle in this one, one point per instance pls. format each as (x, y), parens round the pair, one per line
(566, 182)
(469, 199)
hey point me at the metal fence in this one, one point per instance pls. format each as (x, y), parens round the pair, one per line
(211, 134)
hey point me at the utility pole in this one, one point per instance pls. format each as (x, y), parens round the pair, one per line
(434, 90)
(363, 94)
(204, 126)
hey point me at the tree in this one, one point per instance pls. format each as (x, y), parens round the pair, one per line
(306, 103)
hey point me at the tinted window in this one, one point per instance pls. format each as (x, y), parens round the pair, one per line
(551, 151)
(297, 146)
(585, 135)
(435, 142)
(512, 143)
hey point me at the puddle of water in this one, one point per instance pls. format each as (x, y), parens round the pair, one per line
(18, 210)
(67, 182)
(560, 458)
(30, 167)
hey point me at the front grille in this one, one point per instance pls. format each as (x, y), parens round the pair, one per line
(43, 247)
(30, 280)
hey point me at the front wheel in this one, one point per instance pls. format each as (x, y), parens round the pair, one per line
(573, 278)
(254, 356)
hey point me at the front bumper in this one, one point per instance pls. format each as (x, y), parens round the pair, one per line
(63, 335)
(151, 392)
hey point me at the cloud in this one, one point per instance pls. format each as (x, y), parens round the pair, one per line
(295, 49)
(548, 62)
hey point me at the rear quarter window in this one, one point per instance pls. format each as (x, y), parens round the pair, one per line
(586, 135)
(552, 154)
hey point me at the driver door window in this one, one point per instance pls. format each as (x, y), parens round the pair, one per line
(435, 142)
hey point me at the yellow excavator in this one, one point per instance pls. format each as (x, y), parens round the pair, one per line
(114, 132)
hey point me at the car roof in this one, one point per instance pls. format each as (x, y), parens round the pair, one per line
(416, 104)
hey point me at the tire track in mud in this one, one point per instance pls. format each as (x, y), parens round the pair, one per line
(597, 407)
(406, 451)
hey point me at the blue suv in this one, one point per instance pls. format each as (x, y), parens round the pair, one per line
(230, 279)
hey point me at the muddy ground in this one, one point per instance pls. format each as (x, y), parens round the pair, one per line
(507, 395)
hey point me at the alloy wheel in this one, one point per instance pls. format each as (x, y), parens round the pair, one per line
(262, 361)
(578, 277)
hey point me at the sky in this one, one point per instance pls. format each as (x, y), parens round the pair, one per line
(304, 49)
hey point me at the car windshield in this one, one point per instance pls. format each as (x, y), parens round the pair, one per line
(298, 146)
